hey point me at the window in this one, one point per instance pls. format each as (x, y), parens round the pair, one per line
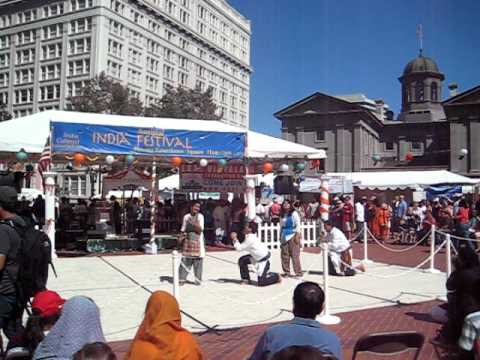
(183, 62)
(81, 4)
(3, 79)
(26, 37)
(75, 88)
(116, 28)
(80, 46)
(434, 92)
(320, 135)
(23, 96)
(117, 6)
(27, 16)
(152, 64)
(114, 48)
(419, 92)
(5, 21)
(134, 76)
(184, 17)
(184, 44)
(50, 72)
(80, 25)
(79, 67)
(114, 69)
(25, 56)
(416, 145)
(134, 56)
(4, 41)
(389, 146)
(75, 185)
(53, 10)
(52, 31)
(182, 78)
(51, 51)
(185, 3)
(50, 92)
(168, 72)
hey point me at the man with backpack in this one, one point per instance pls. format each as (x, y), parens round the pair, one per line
(10, 243)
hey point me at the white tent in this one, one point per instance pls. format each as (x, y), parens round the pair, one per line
(31, 132)
(383, 180)
(171, 182)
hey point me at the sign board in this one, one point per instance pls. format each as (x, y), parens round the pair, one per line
(106, 139)
(336, 185)
(213, 178)
(418, 196)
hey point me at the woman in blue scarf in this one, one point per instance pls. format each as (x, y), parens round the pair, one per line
(290, 237)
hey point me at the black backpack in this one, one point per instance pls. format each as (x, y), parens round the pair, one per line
(34, 258)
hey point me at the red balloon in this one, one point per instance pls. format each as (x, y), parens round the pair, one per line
(267, 167)
(78, 158)
(176, 161)
(409, 156)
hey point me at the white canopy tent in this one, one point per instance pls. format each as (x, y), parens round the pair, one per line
(384, 180)
(31, 132)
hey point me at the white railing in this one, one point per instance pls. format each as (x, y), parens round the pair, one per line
(269, 233)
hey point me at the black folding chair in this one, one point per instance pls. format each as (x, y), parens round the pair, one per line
(390, 343)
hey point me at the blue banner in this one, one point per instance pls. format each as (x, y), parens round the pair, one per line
(107, 139)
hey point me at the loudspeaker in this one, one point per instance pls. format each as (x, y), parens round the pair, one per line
(283, 185)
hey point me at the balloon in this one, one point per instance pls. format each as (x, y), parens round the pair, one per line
(300, 166)
(129, 158)
(376, 157)
(78, 158)
(222, 162)
(21, 155)
(267, 167)
(176, 161)
(284, 168)
(203, 162)
(463, 152)
(109, 159)
(409, 156)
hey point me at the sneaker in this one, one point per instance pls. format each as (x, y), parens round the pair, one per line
(244, 282)
(198, 283)
(181, 283)
(286, 275)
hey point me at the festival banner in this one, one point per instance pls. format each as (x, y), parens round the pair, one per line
(213, 178)
(107, 139)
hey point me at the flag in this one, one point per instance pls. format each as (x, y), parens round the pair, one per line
(45, 158)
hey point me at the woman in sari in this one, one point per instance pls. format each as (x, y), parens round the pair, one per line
(161, 336)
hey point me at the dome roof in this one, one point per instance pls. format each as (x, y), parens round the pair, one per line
(421, 64)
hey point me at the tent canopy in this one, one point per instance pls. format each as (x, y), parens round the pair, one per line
(31, 132)
(405, 179)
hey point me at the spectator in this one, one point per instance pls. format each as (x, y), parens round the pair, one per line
(115, 215)
(312, 209)
(347, 217)
(303, 330)
(299, 353)
(221, 217)
(469, 342)
(275, 211)
(360, 213)
(93, 215)
(462, 218)
(384, 222)
(79, 324)
(160, 335)
(95, 351)
(46, 309)
(9, 266)
(38, 209)
(290, 238)
(401, 208)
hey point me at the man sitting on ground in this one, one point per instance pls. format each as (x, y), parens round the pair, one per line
(340, 252)
(303, 330)
(258, 254)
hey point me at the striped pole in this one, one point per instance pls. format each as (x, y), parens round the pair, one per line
(324, 199)
(153, 202)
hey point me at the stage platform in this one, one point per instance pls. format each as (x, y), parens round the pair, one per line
(221, 302)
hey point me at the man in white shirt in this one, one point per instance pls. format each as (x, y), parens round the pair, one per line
(340, 252)
(258, 255)
(221, 217)
(259, 212)
(360, 213)
(193, 244)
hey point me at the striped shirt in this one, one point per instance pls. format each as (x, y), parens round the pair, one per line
(470, 331)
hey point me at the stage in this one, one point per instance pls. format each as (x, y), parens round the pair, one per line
(221, 302)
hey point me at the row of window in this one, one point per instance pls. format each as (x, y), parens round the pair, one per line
(419, 92)
(45, 12)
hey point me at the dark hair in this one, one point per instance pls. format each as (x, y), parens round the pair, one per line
(195, 202)
(463, 203)
(95, 351)
(308, 299)
(297, 352)
(292, 209)
(467, 258)
(328, 222)
(36, 324)
(253, 226)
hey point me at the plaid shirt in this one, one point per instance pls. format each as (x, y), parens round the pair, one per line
(470, 331)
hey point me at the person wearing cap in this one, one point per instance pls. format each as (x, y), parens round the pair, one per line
(10, 242)
(46, 309)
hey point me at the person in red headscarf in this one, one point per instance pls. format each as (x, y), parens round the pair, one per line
(161, 335)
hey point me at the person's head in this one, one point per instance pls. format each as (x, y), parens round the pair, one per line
(287, 207)
(162, 308)
(47, 303)
(113, 198)
(463, 204)
(364, 200)
(195, 207)
(308, 298)
(328, 225)
(297, 352)
(8, 201)
(466, 258)
(396, 198)
(95, 351)
(250, 228)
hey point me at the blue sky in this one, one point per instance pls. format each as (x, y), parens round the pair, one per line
(351, 46)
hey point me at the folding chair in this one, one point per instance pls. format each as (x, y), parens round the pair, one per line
(390, 343)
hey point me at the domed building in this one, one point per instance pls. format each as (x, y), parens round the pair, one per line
(360, 134)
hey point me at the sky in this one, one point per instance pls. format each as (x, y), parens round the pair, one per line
(338, 47)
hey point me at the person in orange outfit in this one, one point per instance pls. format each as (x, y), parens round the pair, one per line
(160, 335)
(384, 216)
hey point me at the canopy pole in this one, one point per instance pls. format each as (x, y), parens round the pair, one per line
(153, 202)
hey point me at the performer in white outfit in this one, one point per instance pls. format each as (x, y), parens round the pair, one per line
(340, 252)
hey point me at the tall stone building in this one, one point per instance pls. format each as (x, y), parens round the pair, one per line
(50, 48)
(360, 134)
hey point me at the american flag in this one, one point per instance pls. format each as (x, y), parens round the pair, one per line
(45, 158)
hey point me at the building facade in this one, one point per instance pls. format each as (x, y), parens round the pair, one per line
(49, 49)
(360, 134)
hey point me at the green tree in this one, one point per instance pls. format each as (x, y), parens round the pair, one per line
(185, 103)
(102, 94)
(4, 114)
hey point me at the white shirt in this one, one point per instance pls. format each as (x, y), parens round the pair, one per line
(337, 241)
(253, 246)
(359, 212)
(201, 222)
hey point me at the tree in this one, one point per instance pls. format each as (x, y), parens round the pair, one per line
(185, 103)
(102, 94)
(4, 114)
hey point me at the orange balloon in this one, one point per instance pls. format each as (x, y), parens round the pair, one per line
(267, 167)
(78, 158)
(176, 161)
